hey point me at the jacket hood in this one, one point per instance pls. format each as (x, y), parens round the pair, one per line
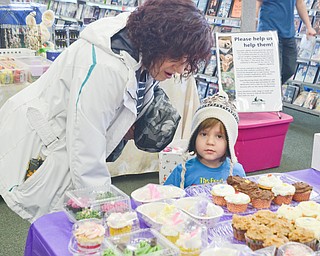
(101, 31)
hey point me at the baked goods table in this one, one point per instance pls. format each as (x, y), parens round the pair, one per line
(50, 234)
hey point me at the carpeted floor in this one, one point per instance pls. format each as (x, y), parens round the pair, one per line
(296, 155)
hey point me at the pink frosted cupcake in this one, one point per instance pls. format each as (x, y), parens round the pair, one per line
(237, 202)
(219, 191)
(283, 193)
(89, 234)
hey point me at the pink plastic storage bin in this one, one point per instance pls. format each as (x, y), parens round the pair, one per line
(261, 138)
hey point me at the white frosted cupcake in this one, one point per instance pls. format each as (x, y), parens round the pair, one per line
(170, 233)
(283, 193)
(219, 191)
(311, 224)
(289, 212)
(120, 223)
(309, 208)
(237, 202)
(269, 181)
(190, 243)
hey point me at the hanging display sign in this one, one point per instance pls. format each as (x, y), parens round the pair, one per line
(249, 70)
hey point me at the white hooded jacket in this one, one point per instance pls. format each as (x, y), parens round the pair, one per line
(73, 116)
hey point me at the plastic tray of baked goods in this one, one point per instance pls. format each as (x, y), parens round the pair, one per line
(95, 202)
(205, 190)
(140, 242)
(13, 71)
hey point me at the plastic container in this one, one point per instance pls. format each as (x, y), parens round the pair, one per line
(200, 209)
(143, 238)
(95, 202)
(261, 139)
(13, 71)
(154, 192)
(36, 64)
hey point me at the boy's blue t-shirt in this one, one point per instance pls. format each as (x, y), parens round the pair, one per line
(198, 173)
(277, 15)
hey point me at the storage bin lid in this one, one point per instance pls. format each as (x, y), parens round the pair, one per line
(261, 119)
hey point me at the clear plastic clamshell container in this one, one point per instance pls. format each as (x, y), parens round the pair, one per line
(95, 202)
(36, 64)
(189, 235)
(140, 242)
(13, 71)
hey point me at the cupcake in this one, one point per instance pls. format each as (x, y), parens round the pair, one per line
(219, 191)
(120, 223)
(303, 191)
(289, 212)
(170, 233)
(240, 225)
(311, 224)
(276, 241)
(283, 193)
(89, 234)
(294, 249)
(269, 181)
(280, 226)
(234, 181)
(304, 236)
(309, 208)
(256, 235)
(247, 187)
(264, 217)
(190, 243)
(261, 198)
(237, 202)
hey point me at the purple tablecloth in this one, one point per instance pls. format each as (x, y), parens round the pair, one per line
(50, 234)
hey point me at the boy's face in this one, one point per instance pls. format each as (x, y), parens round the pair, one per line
(211, 146)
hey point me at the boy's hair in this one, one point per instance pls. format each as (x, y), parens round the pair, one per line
(207, 123)
(170, 29)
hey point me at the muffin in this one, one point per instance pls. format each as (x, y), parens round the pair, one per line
(303, 191)
(277, 241)
(240, 225)
(268, 181)
(261, 198)
(309, 208)
(256, 235)
(120, 223)
(280, 226)
(237, 202)
(89, 234)
(283, 193)
(289, 212)
(219, 191)
(304, 236)
(264, 217)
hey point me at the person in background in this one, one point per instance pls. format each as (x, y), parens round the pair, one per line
(213, 135)
(58, 132)
(279, 15)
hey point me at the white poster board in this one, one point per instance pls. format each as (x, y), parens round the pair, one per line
(249, 70)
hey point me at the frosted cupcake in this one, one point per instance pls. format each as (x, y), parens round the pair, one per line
(303, 191)
(283, 193)
(170, 233)
(120, 223)
(237, 202)
(289, 212)
(256, 235)
(309, 209)
(261, 198)
(89, 234)
(219, 191)
(277, 241)
(269, 181)
(311, 224)
(190, 243)
(304, 236)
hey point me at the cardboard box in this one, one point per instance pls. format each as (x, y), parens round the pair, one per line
(315, 163)
(170, 159)
(261, 139)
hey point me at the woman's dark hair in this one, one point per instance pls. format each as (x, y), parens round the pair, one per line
(170, 29)
(209, 122)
